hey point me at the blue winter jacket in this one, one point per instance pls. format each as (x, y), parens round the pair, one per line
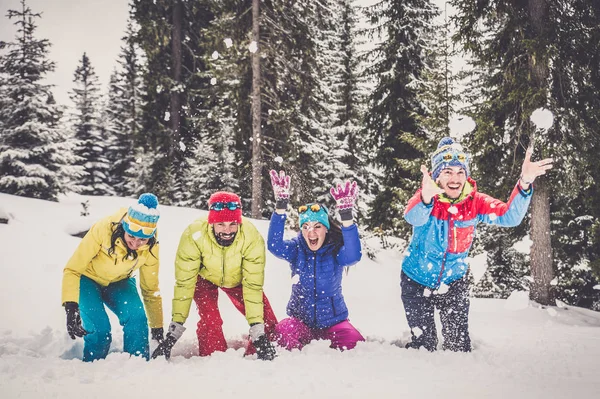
(443, 231)
(317, 298)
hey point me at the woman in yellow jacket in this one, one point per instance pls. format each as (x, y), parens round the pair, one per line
(99, 274)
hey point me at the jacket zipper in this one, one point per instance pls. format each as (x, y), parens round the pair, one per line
(451, 229)
(315, 274)
(222, 266)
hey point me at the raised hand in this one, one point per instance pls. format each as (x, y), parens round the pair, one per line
(428, 187)
(281, 188)
(345, 197)
(531, 170)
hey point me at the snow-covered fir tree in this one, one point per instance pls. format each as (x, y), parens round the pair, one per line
(122, 117)
(397, 64)
(516, 74)
(35, 155)
(91, 144)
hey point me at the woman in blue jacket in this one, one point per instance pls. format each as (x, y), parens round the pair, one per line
(317, 256)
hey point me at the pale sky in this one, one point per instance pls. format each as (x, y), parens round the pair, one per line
(74, 27)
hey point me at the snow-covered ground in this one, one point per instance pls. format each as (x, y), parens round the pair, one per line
(520, 349)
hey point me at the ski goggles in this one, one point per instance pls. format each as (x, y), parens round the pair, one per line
(132, 228)
(449, 156)
(219, 206)
(312, 207)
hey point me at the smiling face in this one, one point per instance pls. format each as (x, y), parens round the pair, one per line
(314, 234)
(134, 243)
(225, 232)
(452, 180)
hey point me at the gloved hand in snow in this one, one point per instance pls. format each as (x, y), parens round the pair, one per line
(264, 348)
(164, 348)
(157, 334)
(74, 327)
(281, 188)
(345, 196)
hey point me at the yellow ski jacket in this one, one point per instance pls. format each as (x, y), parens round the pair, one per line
(92, 260)
(242, 262)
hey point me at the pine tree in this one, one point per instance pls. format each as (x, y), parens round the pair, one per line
(526, 61)
(123, 117)
(34, 151)
(91, 143)
(170, 80)
(348, 91)
(397, 64)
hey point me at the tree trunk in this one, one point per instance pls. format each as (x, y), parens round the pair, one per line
(176, 89)
(256, 117)
(541, 251)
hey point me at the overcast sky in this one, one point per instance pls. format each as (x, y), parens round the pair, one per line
(74, 27)
(77, 26)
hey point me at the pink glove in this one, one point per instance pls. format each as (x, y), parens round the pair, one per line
(345, 197)
(281, 188)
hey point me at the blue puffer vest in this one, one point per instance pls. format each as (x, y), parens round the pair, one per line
(317, 298)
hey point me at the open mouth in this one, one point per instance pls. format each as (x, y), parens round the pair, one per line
(453, 186)
(313, 242)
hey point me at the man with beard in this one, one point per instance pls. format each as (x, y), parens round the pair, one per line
(444, 213)
(223, 251)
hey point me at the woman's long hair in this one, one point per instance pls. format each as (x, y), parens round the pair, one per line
(334, 234)
(119, 232)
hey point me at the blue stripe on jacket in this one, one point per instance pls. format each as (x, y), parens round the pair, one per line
(317, 298)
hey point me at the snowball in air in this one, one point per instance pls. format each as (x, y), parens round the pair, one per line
(253, 47)
(279, 160)
(460, 125)
(228, 42)
(215, 55)
(213, 81)
(542, 118)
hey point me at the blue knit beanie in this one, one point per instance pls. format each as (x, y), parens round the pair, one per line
(141, 218)
(321, 216)
(448, 153)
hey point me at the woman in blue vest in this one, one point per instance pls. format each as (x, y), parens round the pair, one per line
(317, 257)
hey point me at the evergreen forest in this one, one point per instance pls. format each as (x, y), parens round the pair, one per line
(210, 95)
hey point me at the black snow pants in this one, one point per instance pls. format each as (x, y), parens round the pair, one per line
(453, 305)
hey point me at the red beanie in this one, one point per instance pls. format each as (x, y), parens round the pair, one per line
(225, 214)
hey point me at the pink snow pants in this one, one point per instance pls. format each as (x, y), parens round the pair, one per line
(292, 333)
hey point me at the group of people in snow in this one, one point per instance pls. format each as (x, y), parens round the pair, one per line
(225, 251)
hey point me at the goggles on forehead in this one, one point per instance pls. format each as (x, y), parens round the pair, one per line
(219, 206)
(312, 207)
(136, 228)
(449, 156)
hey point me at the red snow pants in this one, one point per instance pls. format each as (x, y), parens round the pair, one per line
(210, 327)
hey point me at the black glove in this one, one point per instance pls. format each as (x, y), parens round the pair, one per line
(264, 348)
(164, 347)
(74, 327)
(157, 334)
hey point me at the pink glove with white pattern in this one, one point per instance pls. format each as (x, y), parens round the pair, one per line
(345, 196)
(281, 188)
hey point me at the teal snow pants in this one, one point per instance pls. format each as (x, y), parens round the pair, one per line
(122, 299)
